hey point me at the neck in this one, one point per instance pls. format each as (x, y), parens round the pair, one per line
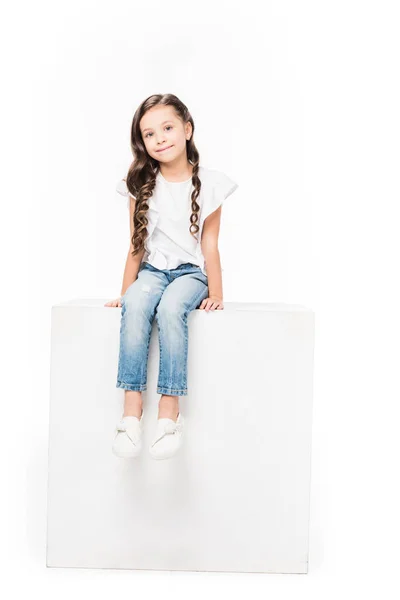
(177, 171)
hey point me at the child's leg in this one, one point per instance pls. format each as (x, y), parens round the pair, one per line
(133, 404)
(137, 313)
(182, 295)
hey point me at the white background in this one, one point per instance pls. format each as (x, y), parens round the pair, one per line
(299, 103)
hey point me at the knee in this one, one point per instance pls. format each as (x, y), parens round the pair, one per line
(136, 298)
(170, 310)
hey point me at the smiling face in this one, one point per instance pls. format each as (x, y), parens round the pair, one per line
(163, 133)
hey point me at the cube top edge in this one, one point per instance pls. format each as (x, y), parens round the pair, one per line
(228, 306)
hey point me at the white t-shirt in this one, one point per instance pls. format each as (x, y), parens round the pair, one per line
(169, 242)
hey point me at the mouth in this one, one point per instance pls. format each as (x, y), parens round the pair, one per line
(164, 149)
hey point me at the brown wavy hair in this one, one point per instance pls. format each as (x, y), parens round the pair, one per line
(141, 177)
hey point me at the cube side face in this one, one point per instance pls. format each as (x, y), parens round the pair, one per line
(237, 496)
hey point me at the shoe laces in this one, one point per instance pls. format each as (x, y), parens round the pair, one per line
(132, 432)
(169, 427)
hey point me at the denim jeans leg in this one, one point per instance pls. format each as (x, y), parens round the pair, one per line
(137, 314)
(182, 295)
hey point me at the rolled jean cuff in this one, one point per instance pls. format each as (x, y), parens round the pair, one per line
(171, 392)
(133, 387)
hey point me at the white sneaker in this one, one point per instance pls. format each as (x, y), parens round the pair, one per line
(168, 438)
(128, 440)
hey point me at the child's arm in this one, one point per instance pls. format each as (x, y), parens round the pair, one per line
(132, 262)
(209, 248)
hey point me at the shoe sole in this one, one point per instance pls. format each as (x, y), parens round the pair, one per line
(133, 454)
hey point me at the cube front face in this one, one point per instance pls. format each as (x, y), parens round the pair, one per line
(236, 496)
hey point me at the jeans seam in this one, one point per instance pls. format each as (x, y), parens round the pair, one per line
(132, 386)
(165, 390)
(186, 328)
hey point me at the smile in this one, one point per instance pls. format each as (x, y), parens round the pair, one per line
(164, 149)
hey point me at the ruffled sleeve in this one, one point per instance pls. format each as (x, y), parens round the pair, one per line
(122, 189)
(222, 187)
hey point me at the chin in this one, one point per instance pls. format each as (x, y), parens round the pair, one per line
(166, 160)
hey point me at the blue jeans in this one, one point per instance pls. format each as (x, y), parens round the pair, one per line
(167, 295)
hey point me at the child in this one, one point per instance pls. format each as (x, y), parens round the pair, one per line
(173, 264)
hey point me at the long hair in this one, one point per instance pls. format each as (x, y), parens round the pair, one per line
(141, 177)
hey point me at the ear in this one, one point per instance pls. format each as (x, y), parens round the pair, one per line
(188, 130)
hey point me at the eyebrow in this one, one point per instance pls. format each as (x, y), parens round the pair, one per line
(163, 123)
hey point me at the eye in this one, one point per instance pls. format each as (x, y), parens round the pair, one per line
(167, 127)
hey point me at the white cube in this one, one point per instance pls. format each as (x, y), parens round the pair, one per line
(236, 495)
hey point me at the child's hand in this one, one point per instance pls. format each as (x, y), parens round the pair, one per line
(212, 303)
(116, 302)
